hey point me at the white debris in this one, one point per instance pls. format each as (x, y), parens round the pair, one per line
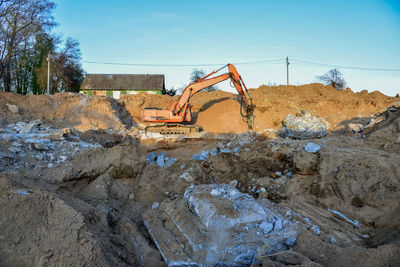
(316, 230)
(312, 147)
(266, 227)
(233, 183)
(354, 222)
(187, 177)
(215, 193)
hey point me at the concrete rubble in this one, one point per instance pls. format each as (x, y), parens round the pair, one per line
(161, 160)
(30, 145)
(87, 175)
(303, 126)
(218, 225)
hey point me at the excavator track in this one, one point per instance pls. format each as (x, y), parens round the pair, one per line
(173, 128)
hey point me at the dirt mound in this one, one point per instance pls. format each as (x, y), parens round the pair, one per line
(67, 110)
(219, 111)
(274, 103)
(216, 111)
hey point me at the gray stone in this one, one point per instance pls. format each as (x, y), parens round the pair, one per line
(316, 230)
(161, 160)
(214, 151)
(30, 127)
(13, 108)
(51, 156)
(266, 227)
(204, 154)
(169, 161)
(224, 228)
(198, 157)
(14, 149)
(233, 183)
(333, 240)
(288, 214)
(216, 193)
(155, 205)
(151, 158)
(38, 157)
(290, 242)
(303, 126)
(41, 146)
(278, 225)
(225, 150)
(187, 177)
(312, 147)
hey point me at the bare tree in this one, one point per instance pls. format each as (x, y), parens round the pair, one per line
(333, 77)
(198, 74)
(20, 21)
(66, 73)
(170, 92)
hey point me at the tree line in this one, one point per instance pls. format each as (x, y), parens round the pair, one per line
(26, 41)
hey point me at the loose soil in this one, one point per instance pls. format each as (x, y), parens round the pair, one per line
(87, 210)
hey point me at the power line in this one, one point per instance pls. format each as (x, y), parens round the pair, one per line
(273, 61)
(181, 65)
(342, 66)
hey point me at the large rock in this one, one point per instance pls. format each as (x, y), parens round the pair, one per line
(13, 108)
(217, 225)
(303, 126)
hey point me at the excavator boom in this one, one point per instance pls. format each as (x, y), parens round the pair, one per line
(180, 110)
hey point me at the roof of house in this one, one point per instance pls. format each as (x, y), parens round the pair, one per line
(153, 82)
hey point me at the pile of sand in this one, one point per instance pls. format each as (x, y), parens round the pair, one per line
(216, 111)
(219, 111)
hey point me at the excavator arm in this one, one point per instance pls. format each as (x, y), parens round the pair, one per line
(180, 110)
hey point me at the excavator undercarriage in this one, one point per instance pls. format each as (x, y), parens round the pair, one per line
(173, 128)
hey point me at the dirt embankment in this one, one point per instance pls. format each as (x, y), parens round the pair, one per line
(219, 111)
(64, 110)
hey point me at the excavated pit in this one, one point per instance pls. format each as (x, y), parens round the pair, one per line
(73, 193)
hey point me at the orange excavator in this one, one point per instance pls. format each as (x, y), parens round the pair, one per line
(176, 119)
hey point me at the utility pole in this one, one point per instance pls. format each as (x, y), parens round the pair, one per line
(287, 70)
(48, 74)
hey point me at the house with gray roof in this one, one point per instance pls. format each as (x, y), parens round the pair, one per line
(118, 85)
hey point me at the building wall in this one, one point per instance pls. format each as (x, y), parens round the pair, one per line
(118, 93)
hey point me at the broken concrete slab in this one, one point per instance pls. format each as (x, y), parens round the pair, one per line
(303, 126)
(217, 224)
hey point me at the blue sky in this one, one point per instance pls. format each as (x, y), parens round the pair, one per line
(347, 33)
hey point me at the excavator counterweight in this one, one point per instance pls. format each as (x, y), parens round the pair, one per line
(175, 118)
